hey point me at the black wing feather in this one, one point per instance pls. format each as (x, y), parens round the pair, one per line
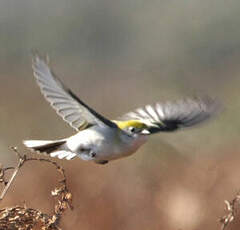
(171, 116)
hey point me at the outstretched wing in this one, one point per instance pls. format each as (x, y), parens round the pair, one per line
(63, 100)
(171, 116)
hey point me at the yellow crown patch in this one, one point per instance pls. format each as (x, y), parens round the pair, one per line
(130, 123)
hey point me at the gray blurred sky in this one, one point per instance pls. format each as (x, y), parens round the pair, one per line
(202, 33)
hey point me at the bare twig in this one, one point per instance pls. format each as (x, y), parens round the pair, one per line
(20, 163)
(26, 218)
(2, 174)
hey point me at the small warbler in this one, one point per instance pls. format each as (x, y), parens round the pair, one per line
(101, 140)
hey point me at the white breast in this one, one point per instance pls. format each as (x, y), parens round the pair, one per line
(86, 138)
(108, 144)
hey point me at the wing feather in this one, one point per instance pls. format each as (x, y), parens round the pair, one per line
(63, 100)
(171, 116)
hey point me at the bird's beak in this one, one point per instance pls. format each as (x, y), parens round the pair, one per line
(145, 132)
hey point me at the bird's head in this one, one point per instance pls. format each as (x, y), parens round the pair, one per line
(133, 127)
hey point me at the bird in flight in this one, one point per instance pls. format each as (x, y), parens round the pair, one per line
(101, 140)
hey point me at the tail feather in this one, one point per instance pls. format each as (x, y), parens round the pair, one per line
(61, 154)
(44, 146)
(53, 148)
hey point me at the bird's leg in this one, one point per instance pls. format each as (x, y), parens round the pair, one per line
(102, 162)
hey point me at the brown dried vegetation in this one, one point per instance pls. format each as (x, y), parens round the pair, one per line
(232, 208)
(28, 218)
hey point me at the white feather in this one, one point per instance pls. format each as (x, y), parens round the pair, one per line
(71, 156)
(142, 113)
(63, 154)
(159, 110)
(36, 143)
(54, 154)
(151, 111)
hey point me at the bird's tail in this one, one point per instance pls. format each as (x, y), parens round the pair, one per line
(54, 148)
(44, 146)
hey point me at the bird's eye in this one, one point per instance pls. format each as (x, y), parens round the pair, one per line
(132, 129)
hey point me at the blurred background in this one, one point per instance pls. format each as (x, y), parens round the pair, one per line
(117, 56)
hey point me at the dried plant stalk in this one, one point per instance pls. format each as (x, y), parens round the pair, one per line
(20, 218)
(231, 207)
